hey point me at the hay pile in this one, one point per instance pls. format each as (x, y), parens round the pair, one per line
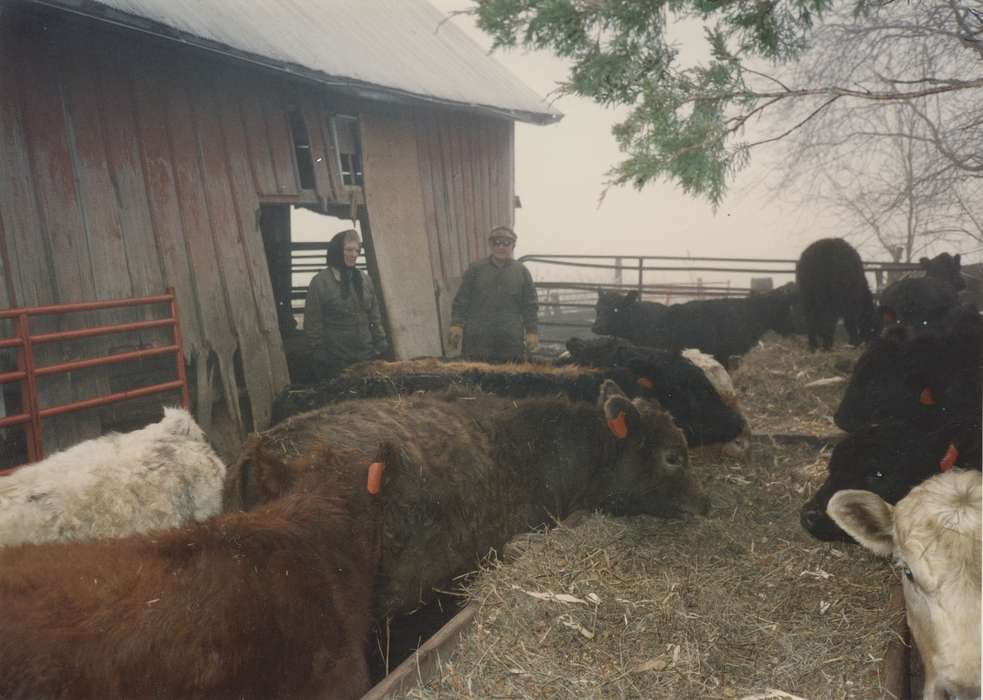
(724, 607)
(772, 384)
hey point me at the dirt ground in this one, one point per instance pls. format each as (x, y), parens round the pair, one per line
(740, 604)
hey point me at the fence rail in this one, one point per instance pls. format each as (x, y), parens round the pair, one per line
(28, 371)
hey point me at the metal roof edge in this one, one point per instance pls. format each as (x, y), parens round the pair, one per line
(107, 15)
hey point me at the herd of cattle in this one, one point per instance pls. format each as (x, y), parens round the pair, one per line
(139, 565)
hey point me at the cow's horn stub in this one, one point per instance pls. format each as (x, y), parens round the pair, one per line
(926, 398)
(646, 383)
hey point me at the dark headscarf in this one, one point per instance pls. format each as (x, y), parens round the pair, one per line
(336, 258)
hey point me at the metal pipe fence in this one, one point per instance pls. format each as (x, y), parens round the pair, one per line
(28, 371)
(569, 304)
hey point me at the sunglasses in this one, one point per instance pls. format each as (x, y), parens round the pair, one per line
(501, 241)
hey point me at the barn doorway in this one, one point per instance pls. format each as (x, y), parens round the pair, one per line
(296, 241)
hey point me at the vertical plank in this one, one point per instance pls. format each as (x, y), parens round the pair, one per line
(52, 174)
(457, 243)
(479, 174)
(310, 112)
(281, 142)
(395, 204)
(62, 227)
(98, 204)
(492, 147)
(466, 154)
(257, 265)
(227, 227)
(99, 198)
(332, 161)
(32, 276)
(427, 184)
(509, 148)
(211, 304)
(257, 140)
(125, 162)
(450, 258)
(165, 211)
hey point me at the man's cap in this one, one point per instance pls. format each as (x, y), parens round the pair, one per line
(503, 232)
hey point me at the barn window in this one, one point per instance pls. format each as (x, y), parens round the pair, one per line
(349, 149)
(302, 149)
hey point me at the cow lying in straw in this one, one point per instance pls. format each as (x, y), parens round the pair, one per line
(274, 603)
(480, 469)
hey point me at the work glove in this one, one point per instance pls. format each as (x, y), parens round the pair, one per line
(455, 336)
(532, 341)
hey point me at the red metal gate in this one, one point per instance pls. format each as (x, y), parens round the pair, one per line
(27, 371)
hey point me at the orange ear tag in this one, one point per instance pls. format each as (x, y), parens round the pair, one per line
(618, 426)
(646, 383)
(374, 484)
(951, 455)
(926, 398)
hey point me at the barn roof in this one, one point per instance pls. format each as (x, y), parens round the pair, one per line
(390, 49)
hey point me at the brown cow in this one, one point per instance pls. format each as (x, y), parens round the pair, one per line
(273, 603)
(479, 469)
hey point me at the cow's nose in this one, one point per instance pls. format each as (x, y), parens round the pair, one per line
(809, 517)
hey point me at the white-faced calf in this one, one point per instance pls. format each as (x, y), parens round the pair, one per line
(934, 535)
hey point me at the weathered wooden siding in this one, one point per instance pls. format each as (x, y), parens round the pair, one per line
(466, 165)
(467, 168)
(127, 167)
(129, 164)
(399, 233)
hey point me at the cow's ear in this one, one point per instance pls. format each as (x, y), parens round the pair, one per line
(619, 412)
(866, 517)
(385, 468)
(924, 262)
(272, 476)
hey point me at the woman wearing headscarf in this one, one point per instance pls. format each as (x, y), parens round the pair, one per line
(341, 315)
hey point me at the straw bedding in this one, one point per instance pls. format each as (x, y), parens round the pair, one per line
(741, 604)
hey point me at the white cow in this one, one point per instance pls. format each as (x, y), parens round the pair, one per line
(934, 535)
(155, 478)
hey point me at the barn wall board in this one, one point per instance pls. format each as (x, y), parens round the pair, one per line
(394, 200)
(465, 165)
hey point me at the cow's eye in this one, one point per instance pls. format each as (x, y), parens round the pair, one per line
(906, 570)
(878, 474)
(674, 458)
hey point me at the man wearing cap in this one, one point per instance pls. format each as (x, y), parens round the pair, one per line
(496, 311)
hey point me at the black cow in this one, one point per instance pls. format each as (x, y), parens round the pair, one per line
(680, 386)
(923, 379)
(624, 316)
(946, 268)
(477, 470)
(921, 304)
(832, 284)
(671, 379)
(888, 459)
(718, 327)
(922, 301)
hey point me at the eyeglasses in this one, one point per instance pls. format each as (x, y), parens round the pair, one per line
(501, 241)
